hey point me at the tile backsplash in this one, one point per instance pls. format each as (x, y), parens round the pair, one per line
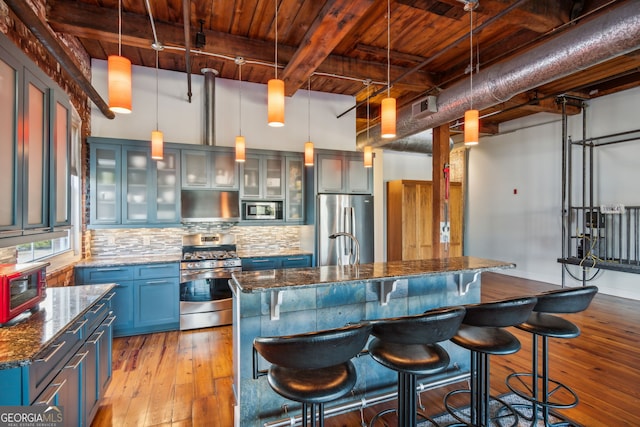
(168, 241)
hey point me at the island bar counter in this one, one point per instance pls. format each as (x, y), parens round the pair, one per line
(291, 301)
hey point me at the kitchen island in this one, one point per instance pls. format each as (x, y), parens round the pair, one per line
(284, 302)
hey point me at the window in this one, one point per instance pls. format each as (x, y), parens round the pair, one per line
(42, 249)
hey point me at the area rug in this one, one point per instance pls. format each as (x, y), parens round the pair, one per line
(445, 419)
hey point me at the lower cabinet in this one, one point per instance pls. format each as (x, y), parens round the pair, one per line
(276, 262)
(73, 372)
(147, 296)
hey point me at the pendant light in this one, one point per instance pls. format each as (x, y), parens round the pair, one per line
(368, 151)
(157, 138)
(471, 125)
(308, 146)
(240, 142)
(388, 114)
(119, 75)
(275, 89)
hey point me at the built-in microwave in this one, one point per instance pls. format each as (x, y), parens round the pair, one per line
(22, 288)
(262, 210)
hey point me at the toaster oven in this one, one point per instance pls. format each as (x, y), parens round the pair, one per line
(22, 288)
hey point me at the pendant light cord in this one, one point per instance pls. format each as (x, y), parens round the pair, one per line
(388, 48)
(157, 97)
(276, 60)
(240, 101)
(119, 27)
(471, 59)
(309, 108)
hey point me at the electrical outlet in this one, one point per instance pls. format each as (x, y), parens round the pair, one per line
(445, 232)
(111, 240)
(146, 240)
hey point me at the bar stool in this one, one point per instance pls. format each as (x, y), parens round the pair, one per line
(313, 368)
(534, 386)
(408, 345)
(482, 333)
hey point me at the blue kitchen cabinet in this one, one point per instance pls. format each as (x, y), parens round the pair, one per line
(71, 372)
(276, 262)
(343, 172)
(147, 296)
(122, 302)
(210, 168)
(128, 188)
(157, 304)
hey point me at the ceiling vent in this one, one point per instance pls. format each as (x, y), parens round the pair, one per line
(424, 107)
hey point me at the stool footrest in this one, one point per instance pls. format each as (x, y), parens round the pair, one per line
(506, 410)
(517, 383)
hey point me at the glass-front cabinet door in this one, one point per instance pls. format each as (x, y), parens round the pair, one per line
(105, 184)
(195, 170)
(225, 168)
(295, 185)
(274, 177)
(251, 182)
(136, 184)
(35, 152)
(168, 188)
(8, 144)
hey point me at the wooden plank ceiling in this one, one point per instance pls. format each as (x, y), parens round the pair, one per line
(341, 45)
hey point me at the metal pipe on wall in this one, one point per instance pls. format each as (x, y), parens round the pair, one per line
(186, 16)
(209, 133)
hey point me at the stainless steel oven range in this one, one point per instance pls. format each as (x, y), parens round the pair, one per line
(205, 295)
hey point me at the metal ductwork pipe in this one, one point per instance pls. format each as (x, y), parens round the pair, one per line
(613, 34)
(209, 106)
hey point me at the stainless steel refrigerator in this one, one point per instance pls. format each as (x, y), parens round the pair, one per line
(348, 213)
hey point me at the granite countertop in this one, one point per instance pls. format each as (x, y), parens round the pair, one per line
(266, 280)
(124, 260)
(20, 342)
(266, 253)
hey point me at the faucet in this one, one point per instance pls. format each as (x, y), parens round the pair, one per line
(356, 244)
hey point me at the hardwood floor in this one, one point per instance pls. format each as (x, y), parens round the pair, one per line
(184, 378)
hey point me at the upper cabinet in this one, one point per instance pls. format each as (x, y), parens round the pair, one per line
(129, 188)
(343, 172)
(263, 177)
(35, 140)
(212, 167)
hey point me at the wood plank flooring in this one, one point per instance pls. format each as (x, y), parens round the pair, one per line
(184, 378)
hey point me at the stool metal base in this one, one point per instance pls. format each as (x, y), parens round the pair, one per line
(540, 389)
(422, 415)
(506, 413)
(479, 397)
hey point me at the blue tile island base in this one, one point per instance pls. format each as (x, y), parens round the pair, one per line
(284, 302)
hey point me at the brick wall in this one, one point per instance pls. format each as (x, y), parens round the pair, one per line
(61, 277)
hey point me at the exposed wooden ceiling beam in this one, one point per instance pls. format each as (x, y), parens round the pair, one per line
(95, 22)
(331, 25)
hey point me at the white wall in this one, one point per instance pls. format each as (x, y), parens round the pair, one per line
(525, 228)
(182, 121)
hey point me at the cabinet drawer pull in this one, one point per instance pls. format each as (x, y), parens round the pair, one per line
(109, 320)
(82, 357)
(53, 393)
(80, 326)
(296, 259)
(155, 282)
(95, 340)
(155, 266)
(110, 296)
(58, 347)
(255, 261)
(97, 309)
(110, 269)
